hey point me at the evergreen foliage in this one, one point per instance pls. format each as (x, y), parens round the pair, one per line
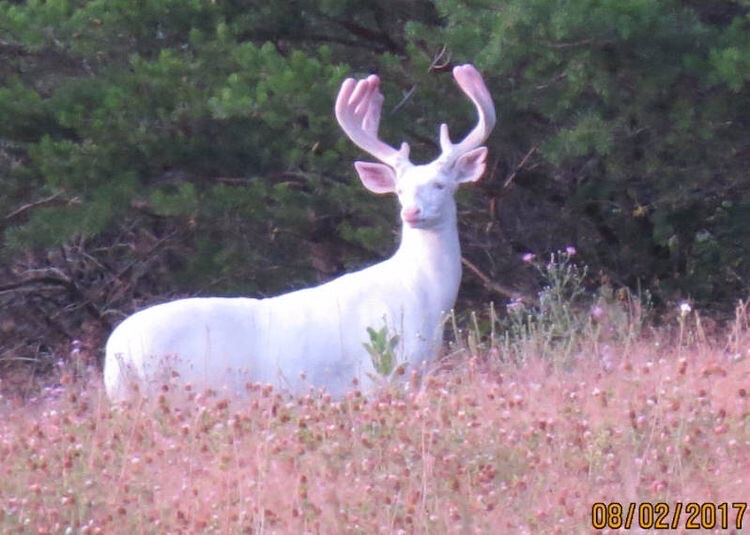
(165, 147)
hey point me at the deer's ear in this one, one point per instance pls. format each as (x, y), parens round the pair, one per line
(377, 177)
(470, 166)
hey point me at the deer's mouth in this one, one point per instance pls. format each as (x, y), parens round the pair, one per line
(419, 221)
(413, 219)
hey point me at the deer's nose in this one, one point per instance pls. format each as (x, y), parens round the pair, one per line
(411, 214)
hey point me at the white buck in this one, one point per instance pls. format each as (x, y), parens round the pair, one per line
(317, 336)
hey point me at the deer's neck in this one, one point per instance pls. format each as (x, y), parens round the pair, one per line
(433, 256)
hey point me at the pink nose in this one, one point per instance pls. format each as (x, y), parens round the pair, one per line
(410, 214)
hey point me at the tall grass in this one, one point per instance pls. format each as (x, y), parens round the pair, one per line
(516, 433)
(562, 321)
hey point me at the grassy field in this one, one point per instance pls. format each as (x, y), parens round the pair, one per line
(483, 446)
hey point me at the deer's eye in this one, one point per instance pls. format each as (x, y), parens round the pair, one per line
(439, 185)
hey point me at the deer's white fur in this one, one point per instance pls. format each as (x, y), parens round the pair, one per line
(315, 336)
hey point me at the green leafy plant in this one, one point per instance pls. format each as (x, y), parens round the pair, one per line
(382, 350)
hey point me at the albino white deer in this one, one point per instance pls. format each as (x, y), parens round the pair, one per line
(316, 336)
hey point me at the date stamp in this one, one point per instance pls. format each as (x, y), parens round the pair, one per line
(662, 515)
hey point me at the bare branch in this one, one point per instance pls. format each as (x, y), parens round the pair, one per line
(441, 61)
(581, 42)
(520, 166)
(488, 282)
(26, 207)
(404, 100)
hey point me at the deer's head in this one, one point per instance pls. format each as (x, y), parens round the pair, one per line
(424, 191)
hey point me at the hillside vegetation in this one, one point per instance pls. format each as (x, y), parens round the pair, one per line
(483, 445)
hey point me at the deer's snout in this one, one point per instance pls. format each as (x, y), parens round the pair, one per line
(411, 214)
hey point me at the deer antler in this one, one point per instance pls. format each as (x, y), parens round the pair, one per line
(358, 107)
(470, 81)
